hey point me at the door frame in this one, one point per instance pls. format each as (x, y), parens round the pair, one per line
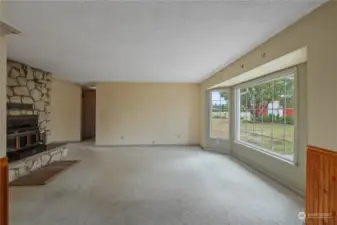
(217, 144)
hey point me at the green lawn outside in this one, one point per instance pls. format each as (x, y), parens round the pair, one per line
(269, 136)
(266, 135)
(220, 128)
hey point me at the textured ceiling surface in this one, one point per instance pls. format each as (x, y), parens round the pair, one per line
(143, 41)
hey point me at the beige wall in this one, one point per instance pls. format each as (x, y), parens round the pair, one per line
(3, 89)
(3, 99)
(147, 113)
(3, 84)
(318, 33)
(65, 111)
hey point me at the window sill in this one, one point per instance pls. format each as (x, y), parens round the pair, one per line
(269, 153)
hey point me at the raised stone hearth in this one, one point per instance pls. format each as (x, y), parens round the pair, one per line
(55, 152)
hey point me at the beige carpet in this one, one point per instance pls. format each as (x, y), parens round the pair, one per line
(155, 186)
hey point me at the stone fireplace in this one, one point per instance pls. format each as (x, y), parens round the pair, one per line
(28, 120)
(28, 110)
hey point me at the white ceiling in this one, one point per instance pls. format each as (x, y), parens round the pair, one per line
(156, 41)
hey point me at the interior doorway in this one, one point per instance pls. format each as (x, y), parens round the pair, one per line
(88, 114)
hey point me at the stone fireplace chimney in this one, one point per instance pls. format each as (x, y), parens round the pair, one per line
(29, 86)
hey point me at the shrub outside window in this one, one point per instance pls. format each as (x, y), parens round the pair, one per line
(266, 114)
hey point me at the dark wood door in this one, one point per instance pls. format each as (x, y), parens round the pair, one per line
(88, 114)
(321, 188)
(4, 194)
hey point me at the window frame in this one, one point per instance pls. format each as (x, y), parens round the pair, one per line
(210, 107)
(261, 80)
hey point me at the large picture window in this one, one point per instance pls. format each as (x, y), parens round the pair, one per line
(219, 119)
(266, 114)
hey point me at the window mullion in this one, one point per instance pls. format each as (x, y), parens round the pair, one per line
(246, 135)
(272, 117)
(262, 116)
(284, 117)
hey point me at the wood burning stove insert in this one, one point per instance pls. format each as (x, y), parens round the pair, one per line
(23, 137)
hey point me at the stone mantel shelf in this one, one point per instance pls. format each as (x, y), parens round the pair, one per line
(11, 106)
